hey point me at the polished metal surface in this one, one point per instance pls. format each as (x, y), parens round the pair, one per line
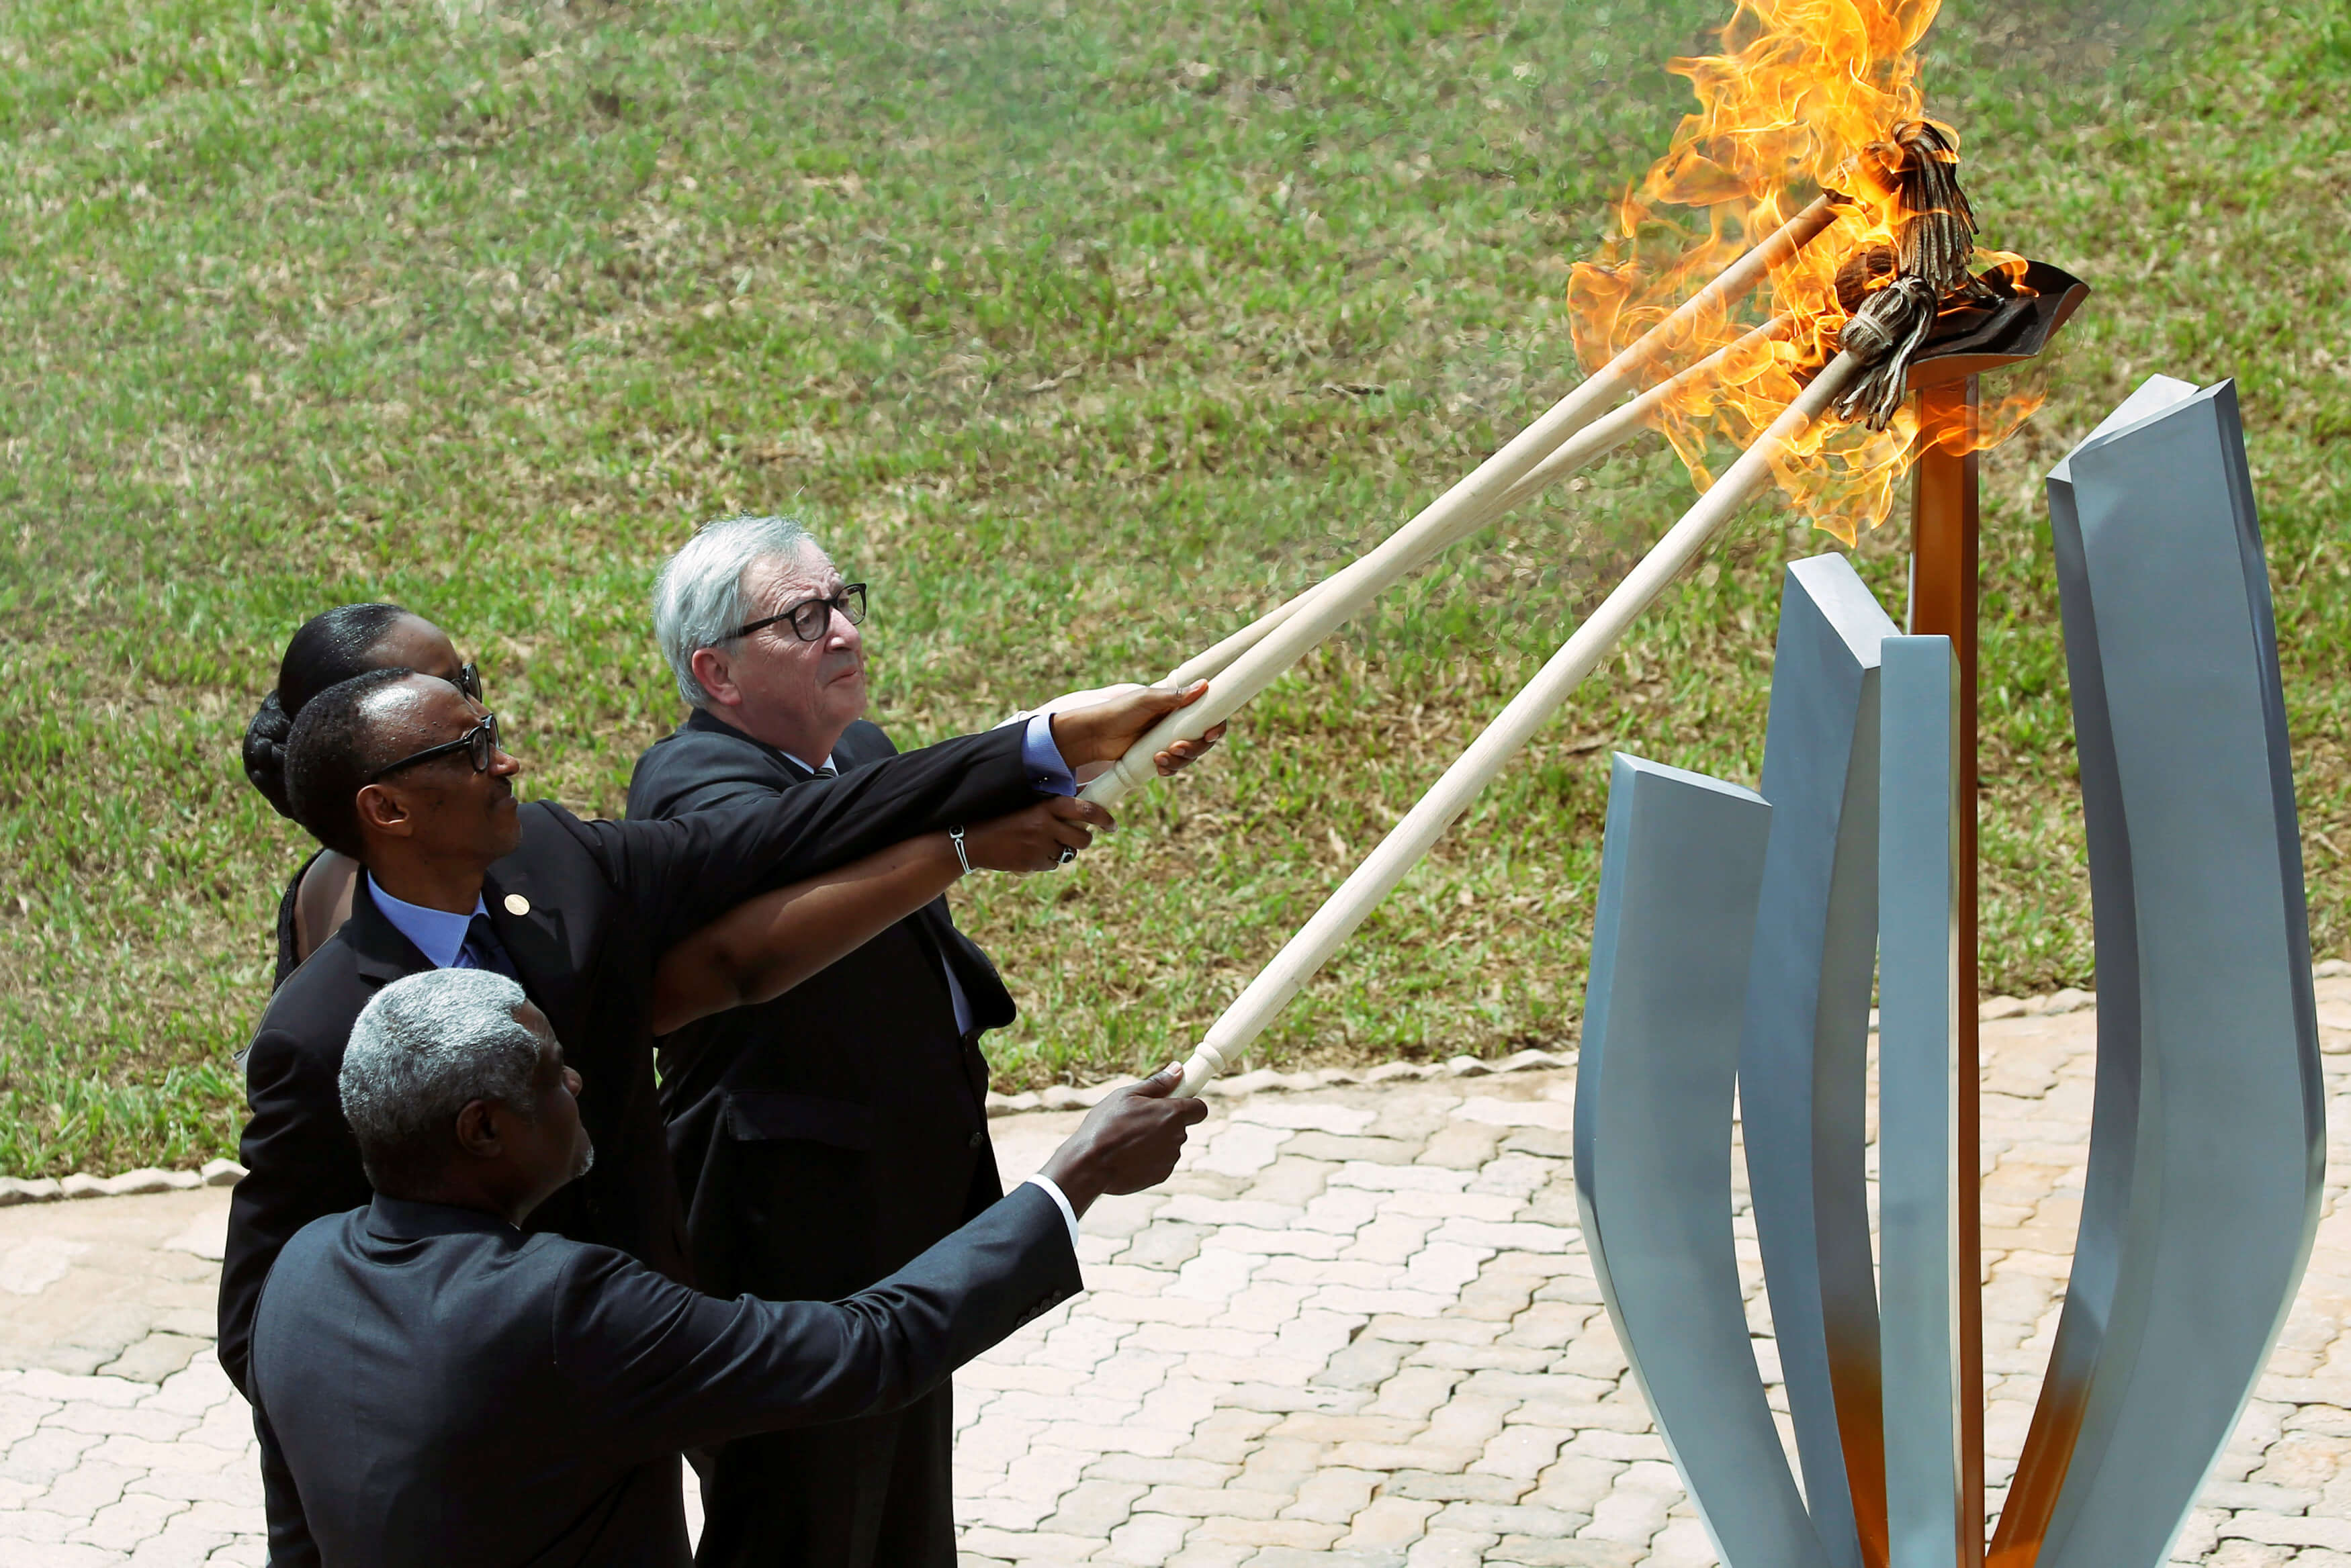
(2113, 1118)
(2227, 1145)
(1802, 1064)
(1918, 1104)
(1681, 868)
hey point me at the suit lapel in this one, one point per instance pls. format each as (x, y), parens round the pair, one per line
(536, 941)
(793, 772)
(860, 743)
(383, 953)
(536, 938)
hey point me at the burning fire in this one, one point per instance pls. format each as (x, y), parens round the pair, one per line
(1803, 99)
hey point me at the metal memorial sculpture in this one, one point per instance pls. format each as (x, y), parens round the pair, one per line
(1738, 933)
(2207, 1141)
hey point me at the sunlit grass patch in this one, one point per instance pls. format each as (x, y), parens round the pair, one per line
(1082, 333)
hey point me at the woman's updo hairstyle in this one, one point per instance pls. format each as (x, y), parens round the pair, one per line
(332, 648)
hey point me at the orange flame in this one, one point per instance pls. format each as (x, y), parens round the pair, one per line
(1785, 112)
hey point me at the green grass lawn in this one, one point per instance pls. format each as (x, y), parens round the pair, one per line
(1082, 333)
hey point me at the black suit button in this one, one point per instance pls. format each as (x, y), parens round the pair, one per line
(979, 1139)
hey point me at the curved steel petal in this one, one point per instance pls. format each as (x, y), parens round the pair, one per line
(1680, 870)
(2114, 1114)
(2227, 1146)
(1803, 1061)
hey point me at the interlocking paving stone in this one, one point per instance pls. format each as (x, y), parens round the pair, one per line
(1357, 1330)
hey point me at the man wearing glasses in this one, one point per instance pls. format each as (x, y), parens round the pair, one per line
(826, 1139)
(405, 773)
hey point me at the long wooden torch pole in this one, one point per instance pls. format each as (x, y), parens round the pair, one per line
(1311, 948)
(1475, 497)
(1590, 444)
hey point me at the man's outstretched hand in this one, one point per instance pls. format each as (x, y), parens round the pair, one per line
(1033, 838)
(1091, 735)
(1128, 1142)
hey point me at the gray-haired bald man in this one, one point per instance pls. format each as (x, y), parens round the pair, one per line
(442, 1388)
(824, 1138)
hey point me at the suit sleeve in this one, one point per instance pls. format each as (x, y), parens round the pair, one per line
(683, 871)
(675, 1368)
(300, 1162)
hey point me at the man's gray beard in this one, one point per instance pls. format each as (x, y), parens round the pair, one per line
(586, 1162)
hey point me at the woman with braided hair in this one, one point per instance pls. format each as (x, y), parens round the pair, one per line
(330, 648)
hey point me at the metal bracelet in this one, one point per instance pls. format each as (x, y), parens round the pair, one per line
(955, 836)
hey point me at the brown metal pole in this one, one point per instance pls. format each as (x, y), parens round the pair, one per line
(1943, 602)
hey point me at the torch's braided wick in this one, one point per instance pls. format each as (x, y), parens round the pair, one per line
(1888, 321)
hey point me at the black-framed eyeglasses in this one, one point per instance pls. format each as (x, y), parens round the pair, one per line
(479, 743)
(469, 681)
(810, 617)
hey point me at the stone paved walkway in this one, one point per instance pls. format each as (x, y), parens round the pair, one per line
(1358, 1328)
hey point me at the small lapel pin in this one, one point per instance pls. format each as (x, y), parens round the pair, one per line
(516, 904)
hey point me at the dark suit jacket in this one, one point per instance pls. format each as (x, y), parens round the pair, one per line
(605, 899)
(442, 1389)
(852, 1102)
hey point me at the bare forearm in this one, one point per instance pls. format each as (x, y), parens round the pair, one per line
(762, 947)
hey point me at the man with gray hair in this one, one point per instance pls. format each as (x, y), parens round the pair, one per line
(438, 1052)
(440, 1388)
(854, 1105)
(409, 776)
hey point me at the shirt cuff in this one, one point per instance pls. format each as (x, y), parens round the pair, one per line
(1047, 773)
(1060, 1201)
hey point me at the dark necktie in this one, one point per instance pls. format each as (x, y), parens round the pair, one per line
(488, 952)
(827, 771)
